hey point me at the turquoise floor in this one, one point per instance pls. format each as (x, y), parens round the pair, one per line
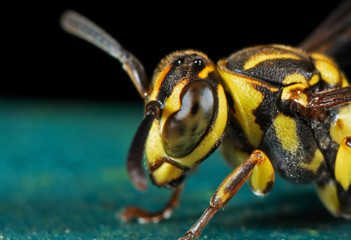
(62, 176)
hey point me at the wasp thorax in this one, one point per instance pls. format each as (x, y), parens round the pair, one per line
(185, 128)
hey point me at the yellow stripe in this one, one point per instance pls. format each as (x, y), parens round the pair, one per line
(246, 98)
(295, 78)
(153, 147)
(327, 68)
(166, 173)
(314, 80)
(285, 128)
(256, 59)
(204, 73)
(315, 163)
(173, 103)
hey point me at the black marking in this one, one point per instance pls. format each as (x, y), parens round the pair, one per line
(276, 70)
(268, 188)
(268, 108)
(195, 108)
(185, 66)
(176, 182)
(272, 70)
(290, 165)
(344, 198)
(348, 142)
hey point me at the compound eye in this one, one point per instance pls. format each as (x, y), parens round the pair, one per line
(184, 129)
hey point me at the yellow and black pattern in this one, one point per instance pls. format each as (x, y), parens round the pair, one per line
(275, 64)
(284, 137)
(274, 108)
(193, 119)
(271, 87)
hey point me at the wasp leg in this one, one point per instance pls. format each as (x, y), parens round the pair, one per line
(145, 217)
(226, 190)
(336, 194)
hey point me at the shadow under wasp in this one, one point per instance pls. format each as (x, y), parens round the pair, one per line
(270, 108)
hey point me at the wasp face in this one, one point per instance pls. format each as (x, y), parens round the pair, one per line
(192, 119)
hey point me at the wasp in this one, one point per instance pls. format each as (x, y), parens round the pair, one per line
(270, 108)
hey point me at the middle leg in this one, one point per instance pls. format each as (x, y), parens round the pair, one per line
(226, 190)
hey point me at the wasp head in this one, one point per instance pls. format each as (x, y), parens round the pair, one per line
(191, 116)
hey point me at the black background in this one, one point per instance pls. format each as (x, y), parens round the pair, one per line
(42, 61)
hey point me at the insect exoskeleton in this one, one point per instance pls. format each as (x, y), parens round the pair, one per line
(271, 87)
(274, 108)
(193, 116)
(294, 106)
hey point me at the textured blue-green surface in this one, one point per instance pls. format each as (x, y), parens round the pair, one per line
(62, 176)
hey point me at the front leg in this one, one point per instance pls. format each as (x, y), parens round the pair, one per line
(145, 217)
(226, 190)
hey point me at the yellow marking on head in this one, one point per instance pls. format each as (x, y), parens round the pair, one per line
(154, 152)
(315, 163)
(153, 147)
(329, 197)
(173, 103)
(166, 173)
(285, 128)
(295, 78)
(314, 80)
(341, 126)
(327, 68)
(156, 84)
(295, 93)
(204, 73)
(261, 57)
(262, 178)
(343, 165)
